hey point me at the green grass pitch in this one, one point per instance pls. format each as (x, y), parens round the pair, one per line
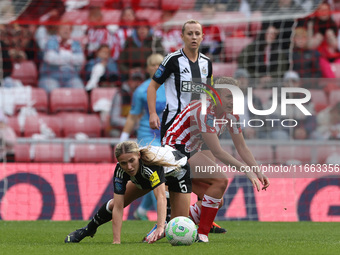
(47, 237)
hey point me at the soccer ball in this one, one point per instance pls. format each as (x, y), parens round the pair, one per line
(181, 231)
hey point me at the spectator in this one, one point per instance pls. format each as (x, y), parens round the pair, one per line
(6, 60)
(22, 45)
(170, 35)
(306, 62)
(121, 102)
(102, 70)
(211, 45)
(127, 20)
(323, 32)
(62, 62)
(242, 75)
(305, 124)
(328, 123)
(138, 47)
(97, 33)
(263, 59)
(8, 140)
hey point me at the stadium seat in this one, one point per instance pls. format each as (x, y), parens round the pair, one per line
(285, 154)
(38, 98)
(175, 5)
(33, 124)
(26, 72)
(255, 23)
(334, 97)
(73, 123)
(77, 17)
(231, 22)
(92, 153)
(99, 93)
(224, 69)
(22, 153)
(68, 99)
(48, 152)
(12, 121)
(152, 15)
(182, 16)
(111, 16)
(234, 45)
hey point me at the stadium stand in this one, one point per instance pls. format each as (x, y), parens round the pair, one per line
(68, 99)
(92, 153)
(26, 72)
(52, 152)
(22, 153)
(74, 123)
(34, 124)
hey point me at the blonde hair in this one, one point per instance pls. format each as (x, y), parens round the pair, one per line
(148, 157)
(156, 57)
(190, 21)
(300, 31)
(226, 80)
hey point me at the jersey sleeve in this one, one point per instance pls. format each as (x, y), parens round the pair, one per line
(157, 177)
(164, 70)
(235, 128)
(119, 181)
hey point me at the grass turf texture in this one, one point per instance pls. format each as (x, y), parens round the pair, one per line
(47, 237)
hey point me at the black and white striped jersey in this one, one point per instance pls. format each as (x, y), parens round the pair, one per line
(177, 72)
(147, 177)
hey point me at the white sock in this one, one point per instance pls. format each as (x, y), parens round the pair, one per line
(195, 213)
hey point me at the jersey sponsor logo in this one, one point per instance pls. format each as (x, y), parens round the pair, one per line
(188, 86)
(204, 71)
(159, 71)
(154, 179)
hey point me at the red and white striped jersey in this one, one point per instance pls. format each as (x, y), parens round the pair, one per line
(190, 123)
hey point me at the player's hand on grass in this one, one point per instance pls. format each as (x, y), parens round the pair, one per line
(154, 121)
(156, 235)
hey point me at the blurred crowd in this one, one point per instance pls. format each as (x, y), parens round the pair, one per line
(296, 49)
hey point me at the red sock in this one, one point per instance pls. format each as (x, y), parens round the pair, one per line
(195, 213)
(208, 213)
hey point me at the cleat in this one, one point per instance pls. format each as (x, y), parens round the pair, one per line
(146, 238)
(217, 229)
(78, 235)
(202, 238)
(139, 216)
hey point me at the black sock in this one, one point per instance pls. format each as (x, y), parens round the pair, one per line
(168, 209)
(101, 217)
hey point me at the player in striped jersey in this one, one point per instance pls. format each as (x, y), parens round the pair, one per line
(177, 71)
(190, 130)
(139, 171)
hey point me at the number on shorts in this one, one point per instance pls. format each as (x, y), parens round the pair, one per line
(183, 186)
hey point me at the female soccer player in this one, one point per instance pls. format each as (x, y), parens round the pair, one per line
(148, 168)
(190, 130)
(177, 70)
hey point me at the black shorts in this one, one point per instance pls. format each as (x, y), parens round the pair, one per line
(182, 185)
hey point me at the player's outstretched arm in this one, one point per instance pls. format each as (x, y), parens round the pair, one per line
(151, 97)
(117, 217)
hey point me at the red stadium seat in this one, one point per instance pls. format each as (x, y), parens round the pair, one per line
(26, 72)
(22, 153)
(76, 17)
(38, 98)
(92, 153)
(234, 45)
(48, 152)
(152, 15)
(175, 5)
(74, 123)
(319, 99)
(111, 16)
(68, 99)
(231, 22)
(288, 154)
(255, 23)
(99, 93)
(224, 69)
(33, 124)
(13, 123)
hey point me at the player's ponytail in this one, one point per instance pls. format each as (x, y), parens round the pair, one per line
(148, 157)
